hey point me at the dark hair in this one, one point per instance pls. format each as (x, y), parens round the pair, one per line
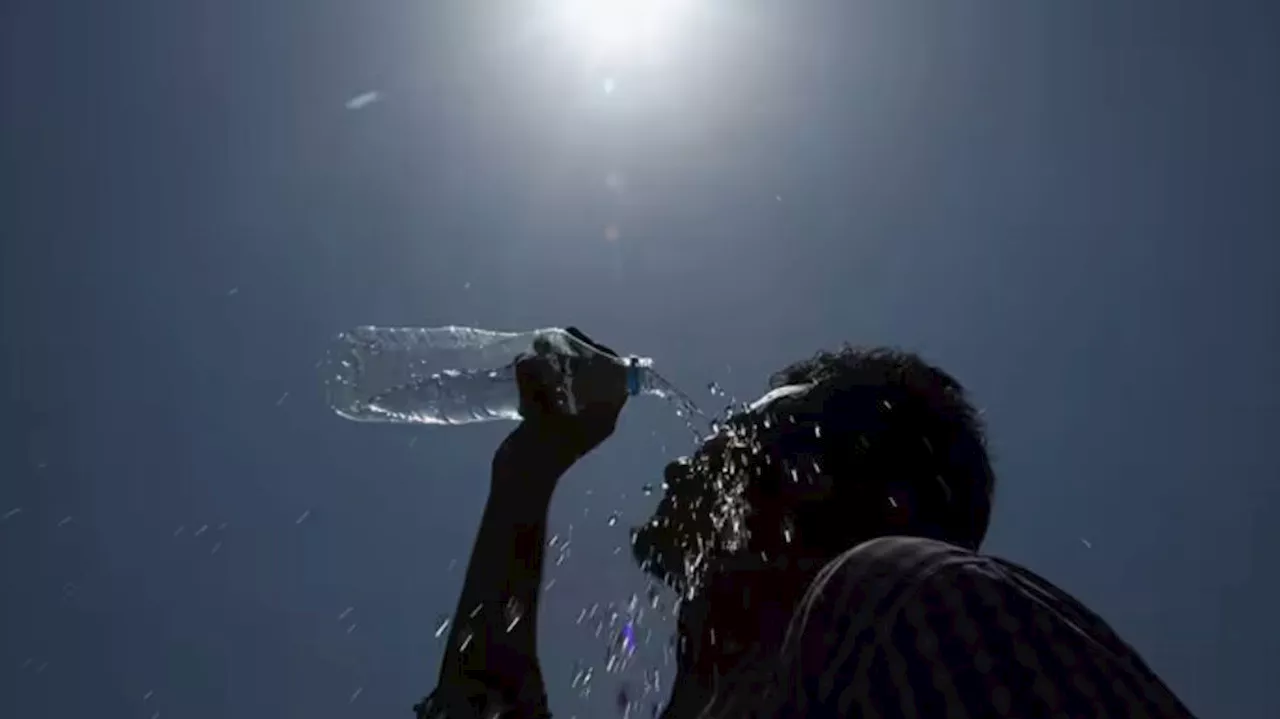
(890, 417)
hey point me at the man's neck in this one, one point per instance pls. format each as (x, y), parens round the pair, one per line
(736, 628)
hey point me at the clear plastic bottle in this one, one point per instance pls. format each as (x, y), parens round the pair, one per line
(453, 375)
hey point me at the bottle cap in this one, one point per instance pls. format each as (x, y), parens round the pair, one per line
(635, 372)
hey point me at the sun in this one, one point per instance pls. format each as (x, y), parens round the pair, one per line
(619, 31)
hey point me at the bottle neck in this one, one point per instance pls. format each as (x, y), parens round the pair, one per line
(635, 376)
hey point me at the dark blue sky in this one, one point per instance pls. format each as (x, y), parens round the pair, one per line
(1070, 205)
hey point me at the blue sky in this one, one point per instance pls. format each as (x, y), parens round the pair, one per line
(1071, 206)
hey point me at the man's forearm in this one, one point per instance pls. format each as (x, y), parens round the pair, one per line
(492, 645)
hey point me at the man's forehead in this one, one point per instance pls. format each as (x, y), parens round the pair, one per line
(790, 396)
(774, 396)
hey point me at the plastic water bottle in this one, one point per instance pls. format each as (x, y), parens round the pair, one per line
(454, 375)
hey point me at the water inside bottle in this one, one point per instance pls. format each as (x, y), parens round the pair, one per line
(370, 377)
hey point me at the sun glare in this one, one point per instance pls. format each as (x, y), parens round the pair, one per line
(619, 30)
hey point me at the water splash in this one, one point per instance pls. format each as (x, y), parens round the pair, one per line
(513, 613)
(695, 419)
(629, 637)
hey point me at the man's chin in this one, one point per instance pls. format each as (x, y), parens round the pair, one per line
(659, 555)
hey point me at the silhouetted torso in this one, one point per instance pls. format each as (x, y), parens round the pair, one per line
(904, 628)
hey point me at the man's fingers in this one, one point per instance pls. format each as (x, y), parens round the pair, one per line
(536, 380)
(582, 337)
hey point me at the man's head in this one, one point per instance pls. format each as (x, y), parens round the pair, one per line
(848, 446)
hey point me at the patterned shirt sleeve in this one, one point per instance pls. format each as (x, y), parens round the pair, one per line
(905, 628)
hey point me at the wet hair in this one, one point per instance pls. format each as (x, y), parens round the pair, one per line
(889, 419)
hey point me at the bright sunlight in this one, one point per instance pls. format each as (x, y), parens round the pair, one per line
(619, 31)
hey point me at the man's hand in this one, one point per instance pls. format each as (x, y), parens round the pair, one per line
(562, 421)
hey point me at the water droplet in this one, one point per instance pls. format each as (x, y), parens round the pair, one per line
(647, 489)
(946, 488)
(613, 519)
(513, 613)
(442, 625)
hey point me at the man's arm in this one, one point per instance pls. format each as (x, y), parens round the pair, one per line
(492, 654)
(490, 667)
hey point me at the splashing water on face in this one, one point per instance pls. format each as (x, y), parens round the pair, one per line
(721, 509)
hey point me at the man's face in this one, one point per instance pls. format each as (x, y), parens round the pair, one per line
(738, 494)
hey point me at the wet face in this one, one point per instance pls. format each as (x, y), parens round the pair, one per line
(739, 496)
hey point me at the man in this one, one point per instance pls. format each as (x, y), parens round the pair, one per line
(825, 545)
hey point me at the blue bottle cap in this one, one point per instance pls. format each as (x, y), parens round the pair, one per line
(633, 375)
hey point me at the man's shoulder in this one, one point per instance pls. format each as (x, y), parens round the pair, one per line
(862, 588)
(895, 616)
(886, 567)
(892, 584)
(906, 571)
(916, 556)
(897, 566)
